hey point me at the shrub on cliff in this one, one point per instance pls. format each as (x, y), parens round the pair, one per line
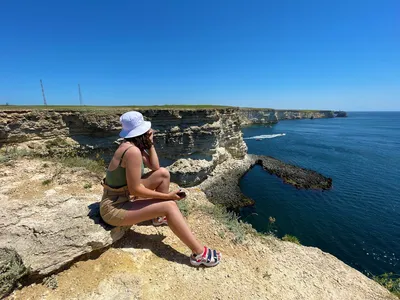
(93, 165)
(291, 238)
(11, 270)
(390, 281)
(230, 220)
(9, 154)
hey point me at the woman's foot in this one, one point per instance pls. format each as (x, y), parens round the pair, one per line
(209, 258)
(160, 221)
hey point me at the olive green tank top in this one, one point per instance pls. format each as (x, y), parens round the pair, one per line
(117, 178)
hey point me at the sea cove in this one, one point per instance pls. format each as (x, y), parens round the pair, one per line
(359, 219)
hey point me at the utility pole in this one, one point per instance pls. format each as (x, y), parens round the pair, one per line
(44, 97)
(80, 95)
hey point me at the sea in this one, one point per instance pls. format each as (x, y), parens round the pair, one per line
(358, 221)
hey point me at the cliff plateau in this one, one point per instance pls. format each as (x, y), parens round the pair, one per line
(52, 227)
(250, 116)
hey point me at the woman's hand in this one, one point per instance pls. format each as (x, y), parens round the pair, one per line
(151, 135)
(174, 195)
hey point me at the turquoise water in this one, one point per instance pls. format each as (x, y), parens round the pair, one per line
(358, 221)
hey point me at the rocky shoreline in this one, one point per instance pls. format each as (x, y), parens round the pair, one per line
(222, 185)
(300, 178)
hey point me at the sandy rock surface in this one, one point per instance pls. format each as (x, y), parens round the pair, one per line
(151, 263)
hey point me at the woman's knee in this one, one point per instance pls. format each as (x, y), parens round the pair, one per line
(163, 172)
(170, 206)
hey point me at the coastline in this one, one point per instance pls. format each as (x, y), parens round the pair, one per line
(222, 185)
(218, 133)
(357, 220)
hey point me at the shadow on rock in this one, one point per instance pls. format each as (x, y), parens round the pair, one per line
(94, 214)
(153, 242)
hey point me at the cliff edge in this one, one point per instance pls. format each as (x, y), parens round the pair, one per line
(150, 262)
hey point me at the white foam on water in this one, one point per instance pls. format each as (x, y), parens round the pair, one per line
(265, 136)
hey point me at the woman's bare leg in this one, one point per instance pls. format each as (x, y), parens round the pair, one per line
(143, 210)
(157, 180)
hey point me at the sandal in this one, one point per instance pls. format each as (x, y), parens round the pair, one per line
(160, 221)
(209, 258)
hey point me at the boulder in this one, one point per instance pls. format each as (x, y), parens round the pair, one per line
(52, 232)
(191, 172)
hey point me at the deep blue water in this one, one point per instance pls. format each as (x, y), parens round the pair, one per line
(358, 221)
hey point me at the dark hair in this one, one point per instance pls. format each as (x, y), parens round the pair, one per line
(142, 141)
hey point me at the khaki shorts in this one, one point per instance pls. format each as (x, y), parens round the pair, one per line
(114, 204)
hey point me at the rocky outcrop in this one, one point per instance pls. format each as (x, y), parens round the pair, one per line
(190, 172)
(50, 216)
(340, 114)
(54, 231)
(179, 133)
(222, 185)
(250, 116)
(298, 177)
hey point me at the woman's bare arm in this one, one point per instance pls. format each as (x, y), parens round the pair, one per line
(150, 159)
(133, 166)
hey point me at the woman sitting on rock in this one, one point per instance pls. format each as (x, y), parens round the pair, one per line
(131, 197)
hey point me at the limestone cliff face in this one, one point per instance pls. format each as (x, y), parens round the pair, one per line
(269, 116)
(179, 133)
(257, 116)
(303, 114)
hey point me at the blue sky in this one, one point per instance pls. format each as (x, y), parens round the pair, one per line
(312, 54)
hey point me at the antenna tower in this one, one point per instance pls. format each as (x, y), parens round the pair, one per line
(44, 97)
(80, 95)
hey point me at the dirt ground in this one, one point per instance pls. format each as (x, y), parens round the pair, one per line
(151, 263)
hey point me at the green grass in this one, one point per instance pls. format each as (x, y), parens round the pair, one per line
(121, 109)
(279, 110)
(7, 155)
(69, 160)
(291, 238)
(390, 281)
(46, 182)
(257, 108)
(306, 110)
(57, 142)
(109, 108)
(183, 207)
(230, 220)
(95, 166)
(87, 185)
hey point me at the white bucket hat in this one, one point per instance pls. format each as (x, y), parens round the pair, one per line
(133, 124)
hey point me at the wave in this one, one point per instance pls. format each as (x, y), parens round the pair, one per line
(265, 136)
